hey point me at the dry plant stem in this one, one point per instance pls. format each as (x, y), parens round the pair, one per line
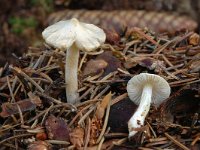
(46, 113)
(105, 123)
(18, 70)
(16, 136)
(11, 92)
(119, 98)
(176, 142)
(144, 148)
(100, 144)
(78, 114)
(20, 114)
(87, 114)
(58, 142)
(71, 77)
(150, 127)
(87, 137)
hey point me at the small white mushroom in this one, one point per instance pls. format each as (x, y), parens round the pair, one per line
(72, 36)
(144, 89)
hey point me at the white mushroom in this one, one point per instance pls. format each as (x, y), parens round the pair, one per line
(144, 89)
(72, 35)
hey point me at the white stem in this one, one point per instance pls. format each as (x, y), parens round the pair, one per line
(71, 77)
(137, 120)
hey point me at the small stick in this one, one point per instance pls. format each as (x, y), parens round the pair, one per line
(78, 114)
(9, 87)
(20, 114)
(100, 144)
(18, 70)
(86, 93)
(119, 98)
(176, 142)
(145, 36)
(87, 137)
(16, 136)
(44, 116)
(154, 133)
(195, 140)
(105, 123)
(58, 142)
(87, 114)
(81, 62)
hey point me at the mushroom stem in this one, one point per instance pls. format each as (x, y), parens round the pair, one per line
(137, 120)
(71, 77)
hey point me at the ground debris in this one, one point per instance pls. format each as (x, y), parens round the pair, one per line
(34, 106)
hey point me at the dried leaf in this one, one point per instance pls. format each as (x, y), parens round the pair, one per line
(39, 145)
(106, 62)
(35, 99)
(77, 136)
(102, 106)
(41, 136)
(57, 128)
(195, 66)
(194, 39)
(112, 36)
(94, 67)
(9, 109)
(113, 62)
(95, 130)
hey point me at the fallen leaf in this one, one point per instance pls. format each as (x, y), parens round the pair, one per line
(194, 66)
(120, 113)
(77, 136)
(113, 62)
(95, 130)
(39, 145)
(102, 106)
(94, 67)
(9, 109)
(41, 136)
(112, 36)
(57, 128)
(106, 62)
(194, 39)
(35, 99)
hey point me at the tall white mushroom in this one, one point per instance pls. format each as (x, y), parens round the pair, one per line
(72, 36)
(144, 89)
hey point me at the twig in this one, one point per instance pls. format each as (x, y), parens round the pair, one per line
(176, 142)
(105, 123)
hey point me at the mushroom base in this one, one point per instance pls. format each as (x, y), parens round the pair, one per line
(137, 120)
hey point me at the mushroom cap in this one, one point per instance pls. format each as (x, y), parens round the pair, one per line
(160, 88)
(64, 34)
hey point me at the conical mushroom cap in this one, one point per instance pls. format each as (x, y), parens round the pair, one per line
(63, 34)
(160, 88)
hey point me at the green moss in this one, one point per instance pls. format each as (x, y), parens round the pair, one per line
(46, 4)
(18, 24)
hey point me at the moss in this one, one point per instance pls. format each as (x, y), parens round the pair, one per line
(18, 24)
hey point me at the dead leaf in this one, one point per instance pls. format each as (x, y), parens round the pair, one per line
(77, 137)
(102, 106)
(194, 39)
(41, 136)
(35, 99)
(112, 36)
(57, 128)
(94, 67)
(95, 130)
(39, 145)
(113, 62)
(106, 62)
(195, 66)
(9, 109)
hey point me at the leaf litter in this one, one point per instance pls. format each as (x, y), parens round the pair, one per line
(35, 114)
